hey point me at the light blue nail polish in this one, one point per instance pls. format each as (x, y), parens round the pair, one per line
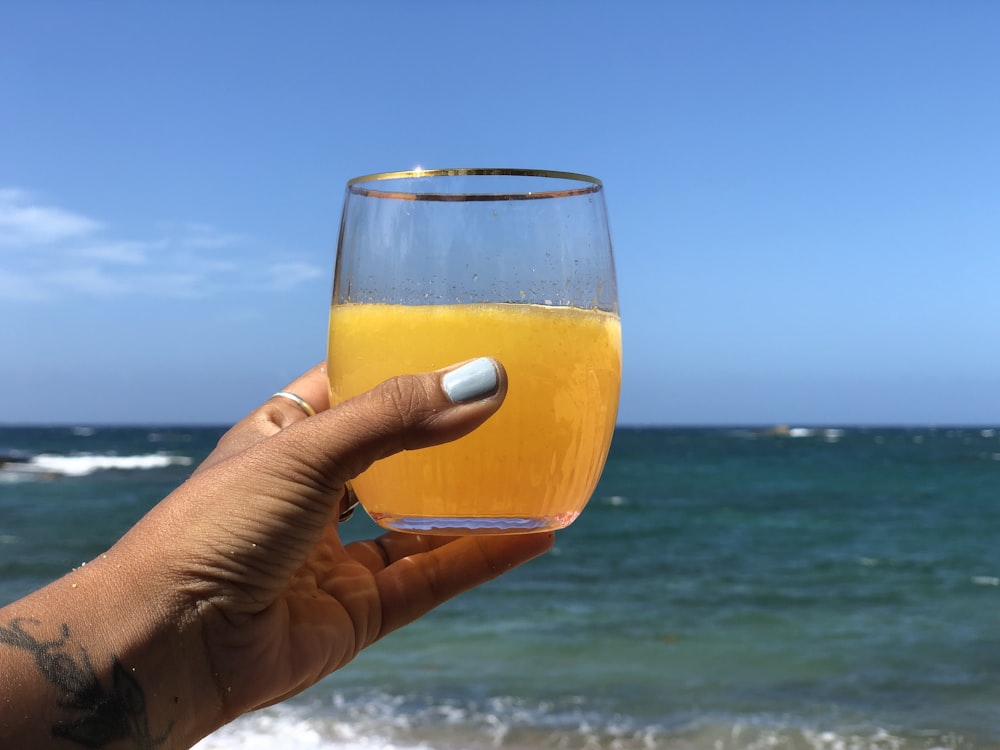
(471, 381)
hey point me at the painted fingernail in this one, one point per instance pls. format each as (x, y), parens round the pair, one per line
(471, 381)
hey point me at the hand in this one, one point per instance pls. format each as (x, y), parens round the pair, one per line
(248, 548)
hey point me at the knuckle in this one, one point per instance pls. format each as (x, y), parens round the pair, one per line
(400, 401)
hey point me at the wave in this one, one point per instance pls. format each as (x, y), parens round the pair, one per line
(393, 723)
(53, 466)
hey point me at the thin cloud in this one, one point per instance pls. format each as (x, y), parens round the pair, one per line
(90, 280)
(20, 288)
(177, 285)
(53, 253)
(205, 236)
(285, 276)
(120, 252)
(25, 224)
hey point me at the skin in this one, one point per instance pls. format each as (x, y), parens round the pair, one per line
(235, 591)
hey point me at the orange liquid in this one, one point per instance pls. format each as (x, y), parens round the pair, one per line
(535, 463)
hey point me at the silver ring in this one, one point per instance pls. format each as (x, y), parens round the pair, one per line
(349, 511)
(299, 401)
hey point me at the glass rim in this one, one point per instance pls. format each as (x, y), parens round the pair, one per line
(592, 185)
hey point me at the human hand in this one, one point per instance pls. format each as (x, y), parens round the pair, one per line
(248, 554)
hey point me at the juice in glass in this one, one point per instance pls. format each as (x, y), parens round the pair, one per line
(535, 463)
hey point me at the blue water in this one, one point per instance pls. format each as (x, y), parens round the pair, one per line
(723, 589)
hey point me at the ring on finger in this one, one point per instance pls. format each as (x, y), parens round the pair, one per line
(298, 401)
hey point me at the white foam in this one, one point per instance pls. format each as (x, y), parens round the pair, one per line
(289, 727)
(84, 464)
(385, 722)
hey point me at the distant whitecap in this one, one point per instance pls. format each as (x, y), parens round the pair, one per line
(986, 580)
(84, 464)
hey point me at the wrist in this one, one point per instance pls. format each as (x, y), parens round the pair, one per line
(101, 658)
(155, 647)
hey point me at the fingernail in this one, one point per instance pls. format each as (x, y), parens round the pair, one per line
(471, 381)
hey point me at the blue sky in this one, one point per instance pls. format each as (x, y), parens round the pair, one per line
(804, 196)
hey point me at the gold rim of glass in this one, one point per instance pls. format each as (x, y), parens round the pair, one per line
(354, 185)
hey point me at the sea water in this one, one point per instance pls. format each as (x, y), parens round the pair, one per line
(725, 588)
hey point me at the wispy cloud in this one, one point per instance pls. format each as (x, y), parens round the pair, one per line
(21, 288)
(49, 252)
(91, 280)
(285, 276)
(206, 236)
(119, 252)
(23, 223)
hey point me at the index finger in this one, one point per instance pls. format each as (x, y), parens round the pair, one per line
(313, 386)
(273, 415)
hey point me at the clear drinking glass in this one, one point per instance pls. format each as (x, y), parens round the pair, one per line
(435, 267)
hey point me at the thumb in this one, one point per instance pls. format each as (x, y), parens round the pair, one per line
(266, 507)
(403, 413)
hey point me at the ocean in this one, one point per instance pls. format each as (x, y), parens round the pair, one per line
(724, 588)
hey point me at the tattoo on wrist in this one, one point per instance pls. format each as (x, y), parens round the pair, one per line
(96, 716)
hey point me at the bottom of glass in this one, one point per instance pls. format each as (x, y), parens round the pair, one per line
(458, 525)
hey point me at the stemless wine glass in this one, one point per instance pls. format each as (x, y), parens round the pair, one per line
(435, 267)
